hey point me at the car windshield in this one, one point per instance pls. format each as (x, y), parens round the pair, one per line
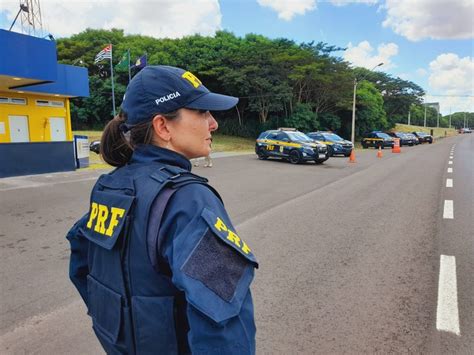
(383, 135)
(332, 137)
(421, 133)
(299, 136)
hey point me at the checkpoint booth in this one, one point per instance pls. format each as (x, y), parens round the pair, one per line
(35, 120)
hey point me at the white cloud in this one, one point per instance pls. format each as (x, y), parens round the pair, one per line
(404, 76)
(436, 19)
(363, 54)
(421, 72)
(452, 78)
(348, 2)
(287, 9)
(160, 19)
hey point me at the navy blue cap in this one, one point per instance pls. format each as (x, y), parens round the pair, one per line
(164, 89)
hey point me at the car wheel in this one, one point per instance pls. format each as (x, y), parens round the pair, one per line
(347, 155)
(430, 142)
(294, 157)
(261, 154)
(364, 146)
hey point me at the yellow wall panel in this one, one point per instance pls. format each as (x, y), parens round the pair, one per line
(38, 116)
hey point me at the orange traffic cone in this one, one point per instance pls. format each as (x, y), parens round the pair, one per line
(379, 153)
(396, 146)
(352, 157)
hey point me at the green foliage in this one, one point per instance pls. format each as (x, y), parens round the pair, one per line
(303, 119)
(329, 121)
(370, 114)
(278, 81)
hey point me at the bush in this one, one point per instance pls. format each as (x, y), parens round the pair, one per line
(303, 119)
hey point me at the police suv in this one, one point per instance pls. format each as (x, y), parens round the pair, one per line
(335, 144)
(377, 140)
(290, 144)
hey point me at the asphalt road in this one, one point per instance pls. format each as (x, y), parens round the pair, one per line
(354, 258)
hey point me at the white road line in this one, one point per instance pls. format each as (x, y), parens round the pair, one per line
(448, 212)
(449, 182)
(450, 170)
(447, 314)
(450, 162)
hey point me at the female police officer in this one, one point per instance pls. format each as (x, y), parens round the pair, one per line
(156, 259)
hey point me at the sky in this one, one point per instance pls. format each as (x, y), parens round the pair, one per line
(429, 42)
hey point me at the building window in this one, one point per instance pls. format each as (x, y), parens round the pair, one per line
(12, 100)
(50, 103)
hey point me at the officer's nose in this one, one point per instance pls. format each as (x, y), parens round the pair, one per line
(213, 125)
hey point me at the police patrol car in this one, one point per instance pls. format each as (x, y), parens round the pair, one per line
(290, 144)
(377, 140)
(335, 144)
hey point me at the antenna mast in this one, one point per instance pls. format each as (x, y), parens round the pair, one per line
(31, 22)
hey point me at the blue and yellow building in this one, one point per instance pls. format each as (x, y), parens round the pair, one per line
(35, 118)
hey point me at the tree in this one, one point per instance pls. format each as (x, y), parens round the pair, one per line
(370, 114)
(302, 118)
(276, 80)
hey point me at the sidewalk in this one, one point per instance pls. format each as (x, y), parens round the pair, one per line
(28, 181)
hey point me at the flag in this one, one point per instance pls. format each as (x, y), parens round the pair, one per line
(105, 53)
(140, 62)
(124, 62)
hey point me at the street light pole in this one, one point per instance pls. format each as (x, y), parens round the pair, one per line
(424, 120)
(354, 113)
(354, 106)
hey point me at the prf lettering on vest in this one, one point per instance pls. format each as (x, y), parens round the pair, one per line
(100, 214)
(192, 79)
(231, 236)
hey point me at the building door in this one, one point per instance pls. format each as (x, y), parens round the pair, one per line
(58, 129)
(19, 129)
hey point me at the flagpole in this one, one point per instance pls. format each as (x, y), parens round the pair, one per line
(129, 75)
(112, 77)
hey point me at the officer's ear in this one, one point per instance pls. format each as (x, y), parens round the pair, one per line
(160, 126)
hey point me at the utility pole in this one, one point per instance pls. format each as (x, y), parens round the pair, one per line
(424, 120)
(409, 112)
(354, 105)
(354, 113)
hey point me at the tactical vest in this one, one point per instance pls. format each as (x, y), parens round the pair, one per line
(134, 308)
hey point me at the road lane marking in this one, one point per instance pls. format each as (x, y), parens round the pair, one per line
(447, 314)
(450, 162)
(449, 182)
(451, 157)
(450, 170)
(448, 212)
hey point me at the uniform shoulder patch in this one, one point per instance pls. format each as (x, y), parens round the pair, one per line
(225, 231)
(220, 259)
